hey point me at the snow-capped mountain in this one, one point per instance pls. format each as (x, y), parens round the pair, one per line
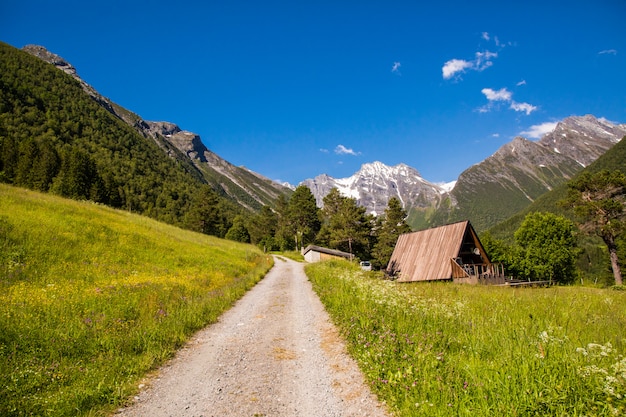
(375, 183)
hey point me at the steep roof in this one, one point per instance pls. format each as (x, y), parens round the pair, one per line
(431, 254)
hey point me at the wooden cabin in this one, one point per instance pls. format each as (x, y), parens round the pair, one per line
(451, 252)
(314, 253)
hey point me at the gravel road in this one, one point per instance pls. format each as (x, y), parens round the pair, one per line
(275, 353)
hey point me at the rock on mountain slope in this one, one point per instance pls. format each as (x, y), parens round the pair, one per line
(583, 139)
(375, 183)
(247, 188)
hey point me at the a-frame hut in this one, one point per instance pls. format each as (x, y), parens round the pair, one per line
(451, 252)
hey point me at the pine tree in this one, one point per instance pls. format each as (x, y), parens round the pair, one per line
(204, 215)
(302, 216)
(78, 177)
(262, 228)
(346, 226)
(284, 230)
(393, 224)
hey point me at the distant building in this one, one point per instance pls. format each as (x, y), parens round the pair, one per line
(314, 253)
(451, 252)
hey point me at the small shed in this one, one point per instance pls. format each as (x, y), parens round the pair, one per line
(314, 253)
(450, 252)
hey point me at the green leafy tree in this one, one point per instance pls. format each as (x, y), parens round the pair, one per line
(392, 224)
(499, 252)
(302, 216)
(546, 248)
(238, 231)
(600, 201)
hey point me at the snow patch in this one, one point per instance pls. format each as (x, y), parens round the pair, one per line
(445, 187)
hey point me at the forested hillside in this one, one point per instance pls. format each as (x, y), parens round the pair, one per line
(56, 138)
(594, 258)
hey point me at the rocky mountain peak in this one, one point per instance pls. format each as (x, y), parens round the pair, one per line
(166, 129)
(380, 170)
(54, 59)
(583, 138)
(375, 183)
(187, 142)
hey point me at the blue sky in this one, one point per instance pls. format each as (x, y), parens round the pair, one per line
(296, 89)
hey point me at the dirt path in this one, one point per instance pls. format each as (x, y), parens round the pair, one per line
(275, 353)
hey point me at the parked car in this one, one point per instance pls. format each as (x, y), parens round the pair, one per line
(366, 265)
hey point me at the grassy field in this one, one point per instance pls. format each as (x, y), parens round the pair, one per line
(440, 349)
(91, 299)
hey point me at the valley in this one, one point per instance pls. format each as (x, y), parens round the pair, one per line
(120, 238)
(514, 175)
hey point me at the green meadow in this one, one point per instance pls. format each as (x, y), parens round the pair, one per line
(442, 349)
(92, 299)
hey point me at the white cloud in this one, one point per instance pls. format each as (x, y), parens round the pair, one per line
(608, 52)
(482, 61)
(506, 96)
(486, 36)
(342, 150)
(454, 66)
(523, 82)
(537, 131)
(525, 107)
(501, 95)
(323, 150)
(396, 67)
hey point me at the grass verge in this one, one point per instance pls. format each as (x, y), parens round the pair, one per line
(440, 349)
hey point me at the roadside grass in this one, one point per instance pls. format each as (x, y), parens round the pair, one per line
(442, 349)
(293, 255)
(91, 299)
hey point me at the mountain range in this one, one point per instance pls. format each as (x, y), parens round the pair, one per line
(487, 193)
